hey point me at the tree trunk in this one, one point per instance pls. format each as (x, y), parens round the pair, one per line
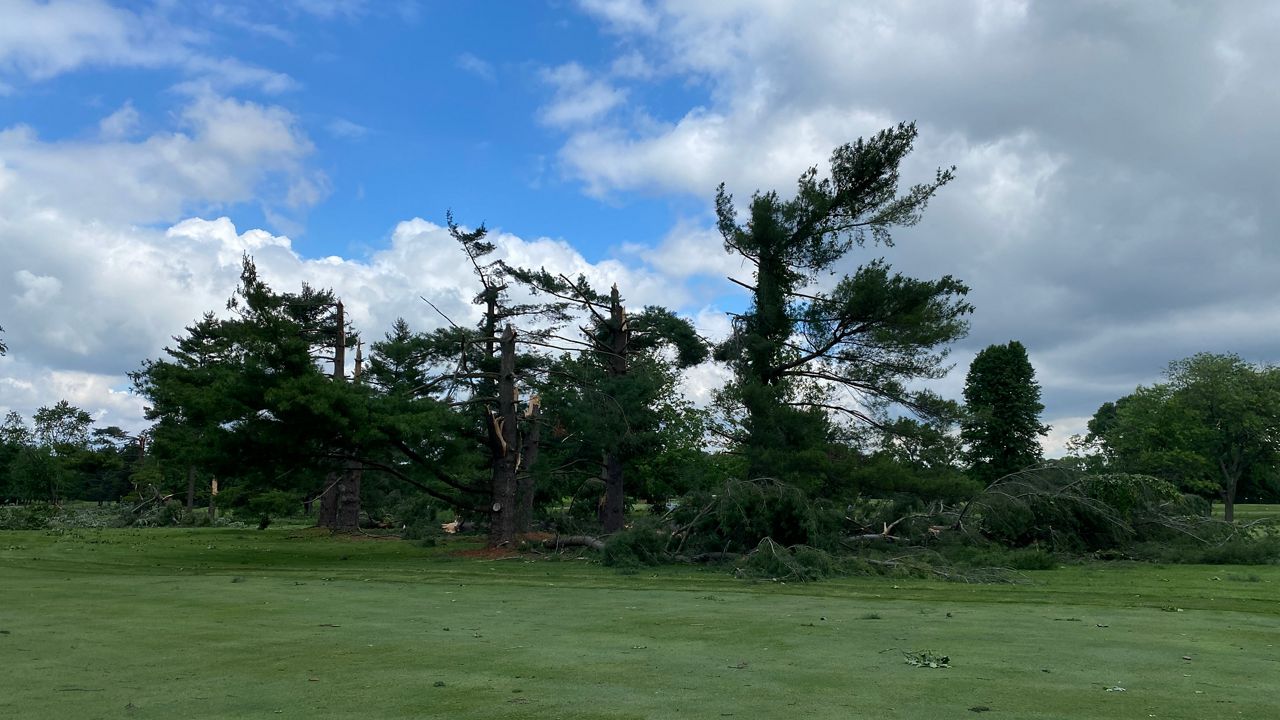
(340, 502)
(503, 447)
(525, 489)
(340, 346)
(613, 514)
(1230, 481)
(328, 515)
(191, 487)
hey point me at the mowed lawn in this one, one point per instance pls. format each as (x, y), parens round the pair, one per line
(1247, 513)
(291, 624)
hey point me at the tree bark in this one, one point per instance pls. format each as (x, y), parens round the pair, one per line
(613, 515)
(191, 487)
(340, 502)
(503, 446)
(574, 541)
(340, 346)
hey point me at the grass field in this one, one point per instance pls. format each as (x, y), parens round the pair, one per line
(1245, 513)
(288, 623)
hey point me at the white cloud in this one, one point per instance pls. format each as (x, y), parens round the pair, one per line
(43, 39)
(623, 15)
(579, 98)
(1114, 205)
(476, 66)
(120, 124)
(37, 290)
(99, 299)
(345, 129)
(222, 153)
(40, 40)
(330, 9)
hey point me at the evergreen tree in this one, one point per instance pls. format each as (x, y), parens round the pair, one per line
(615, 397)
(801, 351)
(1002, 427)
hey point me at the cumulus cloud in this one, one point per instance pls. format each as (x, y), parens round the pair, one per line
(40, 40)
(84, 312)
(120, 124)
(222, 152)
(1114, 207)
(579, 98)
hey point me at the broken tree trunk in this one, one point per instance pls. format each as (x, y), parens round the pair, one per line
(340, 502)
(612, 515)
(503, 446)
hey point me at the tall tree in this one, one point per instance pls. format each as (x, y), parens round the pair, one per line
(1237, 406)
(1002, 427)
(254, 382)
(616, 389)
(486, 365)
(190, 400)
(1216, 417)
(800, 350)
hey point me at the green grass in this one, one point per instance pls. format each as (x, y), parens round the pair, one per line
(285, 623)
(1247, 512)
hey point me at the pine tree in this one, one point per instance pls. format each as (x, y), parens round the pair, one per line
(1002, 427)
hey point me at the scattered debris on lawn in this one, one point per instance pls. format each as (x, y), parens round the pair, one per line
(927, 659)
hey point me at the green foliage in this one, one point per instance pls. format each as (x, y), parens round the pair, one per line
(1002, 426)
(796, 563)
(1213, 428)
(643, 544)
(37, 474)
(739, 514)
(31, 516)
(276, 504)
(870, 335)
(1070, 511)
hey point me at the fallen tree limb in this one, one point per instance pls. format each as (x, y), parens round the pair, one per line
(563, 541)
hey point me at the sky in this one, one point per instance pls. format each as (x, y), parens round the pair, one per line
(1116, 203)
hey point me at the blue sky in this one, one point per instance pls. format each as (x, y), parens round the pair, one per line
(413, 109)
(1114, 207)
